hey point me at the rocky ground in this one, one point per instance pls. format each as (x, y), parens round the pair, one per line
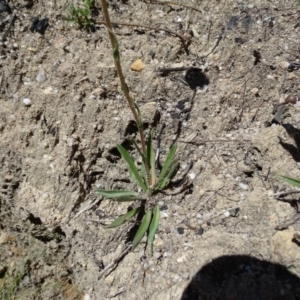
(63, 113)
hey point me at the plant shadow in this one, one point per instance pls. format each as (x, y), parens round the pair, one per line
(242, 278)
(294, 133)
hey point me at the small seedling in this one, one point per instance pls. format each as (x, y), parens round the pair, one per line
(146, 212)
(10, 286)
(148, 186)
(82, 17)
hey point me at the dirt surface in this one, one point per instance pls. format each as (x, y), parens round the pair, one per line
(62, 115)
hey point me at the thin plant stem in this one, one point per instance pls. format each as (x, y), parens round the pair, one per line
(182, 38)
(128, 98)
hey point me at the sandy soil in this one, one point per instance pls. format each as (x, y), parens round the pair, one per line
(62, 115)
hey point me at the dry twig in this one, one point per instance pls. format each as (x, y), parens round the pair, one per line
(200, 142)
(289, 223)
(280, 194)
(122, 290)
(115, 261)
(218, 214)
(182, 38)
(12, 19)
(174, 3)
(89, 206)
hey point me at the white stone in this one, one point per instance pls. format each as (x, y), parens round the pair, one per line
(254, 91)
(243, 186)
(70, 141)
(27, 81)
(27, 101)
(284, 64)
(41, 76)
(163, 215)
(184, 166)
(226, 214)
(176, 278)
(182, 259)
(192, 175)
(178, 19)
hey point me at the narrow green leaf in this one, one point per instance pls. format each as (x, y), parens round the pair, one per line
(132, 177)
(117, 222)
(128, 198)
(142, 229)
(153, 227)
(143, 170)
(170, 173)
(140, 125)
(116, 53)
(122, 219)
(151, 159)
(116, 194)
(168, 162)
(132, 167)
(293, 181)
(149, 148)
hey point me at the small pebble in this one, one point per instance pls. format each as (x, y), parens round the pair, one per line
(188, 245)
(291, 76)
(192, 175)
(243, 186)
(163, 215)
(70, 141)
(164, 207)
(27, 101)
(254, 91)
(41, 76)
(160, 203)
(234, 212)
(201, 192)
(184, 166)
(138, 65)
(27, 81)
(157, 254)
(100, 213)
(178, 19)
(284, 64)
(167, 254)
(176, 278)
(180, 230)
(227, 214)
(290, 99)
(200, 231)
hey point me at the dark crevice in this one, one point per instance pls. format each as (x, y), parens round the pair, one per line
(34, 220)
